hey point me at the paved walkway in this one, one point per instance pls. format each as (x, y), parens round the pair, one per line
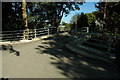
(48, 59)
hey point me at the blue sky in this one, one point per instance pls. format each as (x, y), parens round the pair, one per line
(87, 7)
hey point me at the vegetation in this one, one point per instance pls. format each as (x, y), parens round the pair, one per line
(12, 16)
(111, 15)
(91, 17)
(25, 20)
(32, 15)
(67, 26)
(39, 14)
(108, 16)
(111, 20)
(83, 20)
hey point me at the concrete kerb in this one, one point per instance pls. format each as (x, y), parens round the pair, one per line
(24, 41)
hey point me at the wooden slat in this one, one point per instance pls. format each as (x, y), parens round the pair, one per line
(100, 45)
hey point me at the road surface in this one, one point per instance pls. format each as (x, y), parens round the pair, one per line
(49, 58)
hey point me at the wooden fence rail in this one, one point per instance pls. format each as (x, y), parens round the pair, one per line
(19, 34)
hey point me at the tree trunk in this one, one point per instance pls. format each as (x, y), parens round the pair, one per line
(104, 17)
(24, 14)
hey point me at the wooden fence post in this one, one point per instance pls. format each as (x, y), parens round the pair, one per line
(87, 29)
(48, 31)
(35, 34)
(24, 34)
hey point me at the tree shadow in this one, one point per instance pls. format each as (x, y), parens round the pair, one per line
(72, 64)
(10, 49)
(4, 79)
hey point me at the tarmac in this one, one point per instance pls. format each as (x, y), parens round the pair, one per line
(48, 57)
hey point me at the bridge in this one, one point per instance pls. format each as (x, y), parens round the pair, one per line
(57, 56)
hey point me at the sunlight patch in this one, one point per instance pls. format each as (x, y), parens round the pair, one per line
(85, 63)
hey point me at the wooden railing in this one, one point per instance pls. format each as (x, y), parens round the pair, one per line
(103, 41)
(20, 34)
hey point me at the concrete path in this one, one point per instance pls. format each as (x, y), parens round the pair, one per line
(48, 58)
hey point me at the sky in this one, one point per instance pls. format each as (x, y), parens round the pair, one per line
(87, 7)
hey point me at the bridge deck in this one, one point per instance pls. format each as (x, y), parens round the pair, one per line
(48, 59)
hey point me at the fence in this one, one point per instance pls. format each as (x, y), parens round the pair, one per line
(106, 42)
(85, 29)
(20, 34)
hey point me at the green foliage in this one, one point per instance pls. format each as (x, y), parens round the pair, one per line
(91, 17)
(38, 13)
(67, 26)
(82, 20)
(12, 16)
(63, 23)
(51, 11)
(112, 34)
(78, 21)
(112, 19)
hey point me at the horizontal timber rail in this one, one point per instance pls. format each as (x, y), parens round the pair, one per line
(17, 35)
(105, 42)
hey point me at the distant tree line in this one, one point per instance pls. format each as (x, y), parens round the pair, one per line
(107, 15)
(83, 20)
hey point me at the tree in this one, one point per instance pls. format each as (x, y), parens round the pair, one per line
(73, 21)
(91, 17)
(12, 16)
(111, 12)
(52, 12)
(91, 21)
(108, 12)
(39, 14)
(79, 20)
(83, 20)
(63, 23)
(74, 18)
(67, 26)
(24, 14)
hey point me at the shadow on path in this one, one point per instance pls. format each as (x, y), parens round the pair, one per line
(73, 65)
(10, 49)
